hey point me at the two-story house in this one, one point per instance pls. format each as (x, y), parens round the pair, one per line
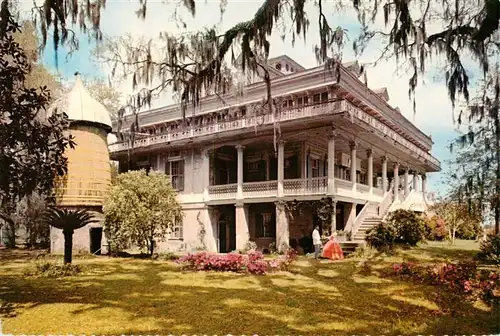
(234, 164)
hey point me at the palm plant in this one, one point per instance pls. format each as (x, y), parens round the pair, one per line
(68, 221)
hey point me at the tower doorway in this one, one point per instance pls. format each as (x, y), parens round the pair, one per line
(95, 240)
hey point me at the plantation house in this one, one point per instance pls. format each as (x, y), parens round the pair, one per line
(238, 167)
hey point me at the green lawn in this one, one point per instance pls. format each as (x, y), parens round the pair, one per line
(128, 296)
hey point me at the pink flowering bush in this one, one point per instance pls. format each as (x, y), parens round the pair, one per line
(462, 278)
(253, 262)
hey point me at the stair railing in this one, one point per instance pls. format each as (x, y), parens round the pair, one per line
(386, 203)
(360, 218)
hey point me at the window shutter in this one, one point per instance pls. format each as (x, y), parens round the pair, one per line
(181, 175)
(167, 168)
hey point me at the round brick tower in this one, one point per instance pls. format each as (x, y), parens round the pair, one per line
(88, 178)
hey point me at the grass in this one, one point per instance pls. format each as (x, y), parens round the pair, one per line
(131, 296)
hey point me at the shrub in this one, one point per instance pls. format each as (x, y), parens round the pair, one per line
(490, 249)
(47, 269)
(435, 228)
(409, 227)
(252, 262)
(382, 237)
(463, 278)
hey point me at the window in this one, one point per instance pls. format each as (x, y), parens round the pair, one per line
(315, 168)
(265, 226)
(290, 103)
(175, 169)
(306, 100)
(278, 66)
(316, 98)
(324, 97)
(300, 101)
(286, 67)
(175, 230)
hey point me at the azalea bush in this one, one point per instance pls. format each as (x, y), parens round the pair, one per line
(435, 228)
(253, 262)
(462, 278)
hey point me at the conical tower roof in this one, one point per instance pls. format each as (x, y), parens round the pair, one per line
(79, 105)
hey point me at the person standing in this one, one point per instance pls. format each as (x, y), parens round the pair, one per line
(316, 242)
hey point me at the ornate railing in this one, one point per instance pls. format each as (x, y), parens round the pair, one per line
(284, 115)
(224, 191)
(310, 186)
(222, 126)
(260, 189)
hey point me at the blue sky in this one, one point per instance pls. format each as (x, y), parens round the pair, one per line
(434, 111)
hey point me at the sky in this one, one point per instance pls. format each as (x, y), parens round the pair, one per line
(434, 110)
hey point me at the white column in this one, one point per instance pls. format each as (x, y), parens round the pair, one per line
(239, 194)
(406, 182)
(205, 172)
(353, 166)
(424, 183)
(369, 153)
(384, 174)
(331, 164)
(282, 227)
(281, 167)
(334, 217)
(242, 231)
(415, 181)
(396, 181)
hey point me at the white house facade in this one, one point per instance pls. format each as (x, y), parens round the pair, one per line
(236, 165)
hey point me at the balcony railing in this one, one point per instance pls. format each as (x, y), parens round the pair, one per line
(311, 186)
(260, 189)
(224, 191)
(284, 115)
(237, 124)
(291, 187)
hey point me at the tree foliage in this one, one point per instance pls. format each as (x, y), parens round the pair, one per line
(29, 215)
(456, 216)
(32, 144)
(415, 31)
(475, 170)
(38, 75)
(141, 209)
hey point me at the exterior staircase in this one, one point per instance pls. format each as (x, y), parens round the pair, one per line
(366, 225)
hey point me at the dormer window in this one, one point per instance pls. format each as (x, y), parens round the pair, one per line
(278, 66)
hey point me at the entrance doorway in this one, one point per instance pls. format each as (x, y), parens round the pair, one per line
(95, 240)
(227, 233)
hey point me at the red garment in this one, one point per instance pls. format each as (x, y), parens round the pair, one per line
(332, 250)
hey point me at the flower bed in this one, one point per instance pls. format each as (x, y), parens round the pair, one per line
(253, 262)
(462, 278)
